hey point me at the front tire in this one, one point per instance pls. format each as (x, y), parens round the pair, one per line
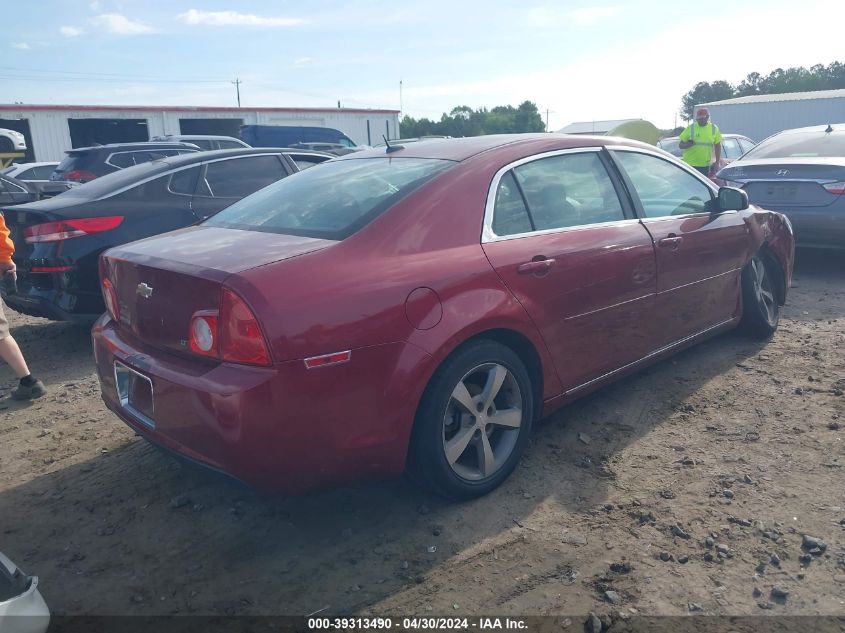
(760, 308)
(6, 146)
(473, 422)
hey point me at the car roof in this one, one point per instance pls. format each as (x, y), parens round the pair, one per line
(836, 127)
(210, 137)
(459, 149)
(141, 145)
(129, 177)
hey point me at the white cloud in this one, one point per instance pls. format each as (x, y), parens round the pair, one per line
(21, 46)
(233, 18)
(301, 61)
(121, 25)
(71, 31)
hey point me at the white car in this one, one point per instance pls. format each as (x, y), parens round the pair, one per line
(30, 172)
(22, 609)
(11, 141)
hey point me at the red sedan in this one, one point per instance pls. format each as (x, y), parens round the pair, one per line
(417, 308)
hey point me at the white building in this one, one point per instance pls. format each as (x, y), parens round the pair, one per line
(760, 116)
(50, 130)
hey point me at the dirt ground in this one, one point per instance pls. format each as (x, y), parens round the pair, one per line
(736, 441)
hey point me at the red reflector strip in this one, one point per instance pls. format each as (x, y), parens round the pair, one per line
(329, 359)
(50, 269)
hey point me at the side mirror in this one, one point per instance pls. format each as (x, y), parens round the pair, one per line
(731, 199)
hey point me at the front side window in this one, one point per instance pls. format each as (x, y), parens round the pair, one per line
(663, 188)
(331, 202)
(239, 177)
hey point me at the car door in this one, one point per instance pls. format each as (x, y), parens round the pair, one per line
(569, 248)
(227, 180)
(699, 253)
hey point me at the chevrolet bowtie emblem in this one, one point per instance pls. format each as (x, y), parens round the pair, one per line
(144, 290)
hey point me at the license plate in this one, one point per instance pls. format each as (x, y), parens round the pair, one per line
(782, 192)
(135, 393)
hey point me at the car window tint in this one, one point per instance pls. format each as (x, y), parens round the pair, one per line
(801, 144)
(185, 181)
(230, 145)
(568, 190)
(304, 161)
(42, 172)
(663, 188)
(121, 160)
(331, 202)
(13, 187)
(239, 177)
(510, 216)
(27, 174)
(203, 144)
(731, 148)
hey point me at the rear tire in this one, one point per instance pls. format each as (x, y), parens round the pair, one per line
(473, 422)
(6, 146)
(760, 308)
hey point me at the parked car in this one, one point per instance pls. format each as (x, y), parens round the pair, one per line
(14, 191)
(733, 146)
(84, 164)
(205, 142)
(800, 173)
(11, 141)
(290, 135)
(421, 308)
(37, 177)
(338, 149)
(22, 609)
(59, 240)
(405, 141)
(30, 172)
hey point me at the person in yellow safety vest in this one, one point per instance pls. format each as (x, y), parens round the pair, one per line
(700, 140)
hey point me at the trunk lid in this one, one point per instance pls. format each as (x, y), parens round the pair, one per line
(784, 182)
(162, 281)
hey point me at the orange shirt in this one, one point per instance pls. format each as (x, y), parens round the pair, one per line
(6, 245)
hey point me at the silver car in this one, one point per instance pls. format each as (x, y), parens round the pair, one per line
(800, 173)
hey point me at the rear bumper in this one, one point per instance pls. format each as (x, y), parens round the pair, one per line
(283, 427)
(49, 304)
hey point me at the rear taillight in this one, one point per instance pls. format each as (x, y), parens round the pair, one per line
(241, 339)
(68, 229)
(231, 334)
(78, 175)
(110, 298)
(835, 187)
(203, 337)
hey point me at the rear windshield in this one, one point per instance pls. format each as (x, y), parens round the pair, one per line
(331, 200)
(802, 144)
(76, 161)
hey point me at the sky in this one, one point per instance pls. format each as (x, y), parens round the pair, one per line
(577, 61)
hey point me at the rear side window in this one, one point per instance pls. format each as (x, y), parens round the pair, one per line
(304, 161)
(801, 144)
(121, 160)
(331, 202)
(184, 182)
(239, 177)
(230, 145)
(731, 148)
(510, 216)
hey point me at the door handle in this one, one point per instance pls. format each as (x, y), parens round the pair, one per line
(673, 242)
(535, 267)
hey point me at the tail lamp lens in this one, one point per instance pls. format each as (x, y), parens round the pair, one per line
(110, 297)
(203, 338)
(68, 229)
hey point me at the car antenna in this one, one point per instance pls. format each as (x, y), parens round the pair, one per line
(829, 129)
(391, 148)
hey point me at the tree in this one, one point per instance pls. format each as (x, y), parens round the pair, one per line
(705, 92)
(464, 121)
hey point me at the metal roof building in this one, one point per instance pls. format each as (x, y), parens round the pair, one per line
(760, 116)
(593, 127)
(50, 130)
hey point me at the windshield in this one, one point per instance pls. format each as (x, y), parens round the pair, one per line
(331, 200)
(671, 146)
(801, 144)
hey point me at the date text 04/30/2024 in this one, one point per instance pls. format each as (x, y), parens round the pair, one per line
(413, 624)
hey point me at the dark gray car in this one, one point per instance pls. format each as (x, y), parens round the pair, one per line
(800, 173)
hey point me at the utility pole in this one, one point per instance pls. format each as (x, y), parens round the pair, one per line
(238, 83)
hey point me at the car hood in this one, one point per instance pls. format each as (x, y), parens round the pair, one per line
(219, 249)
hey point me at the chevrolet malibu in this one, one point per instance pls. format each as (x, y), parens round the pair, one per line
(418, 308)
